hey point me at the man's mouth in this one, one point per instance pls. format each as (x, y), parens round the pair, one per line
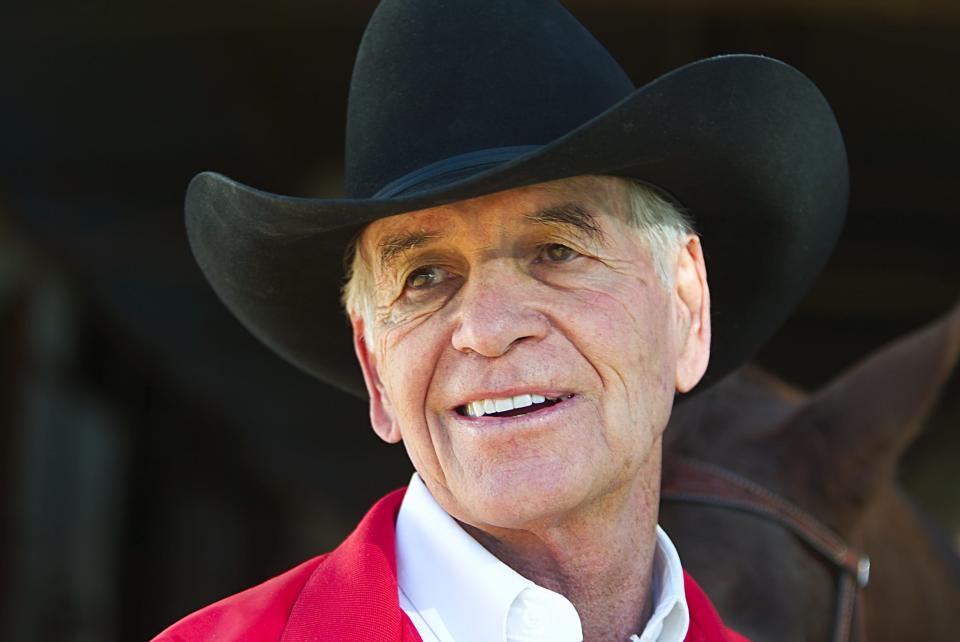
(509, 406)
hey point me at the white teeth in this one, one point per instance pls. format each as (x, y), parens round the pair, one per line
(483, 407)
(522, 401)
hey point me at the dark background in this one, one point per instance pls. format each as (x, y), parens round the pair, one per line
(154, 457)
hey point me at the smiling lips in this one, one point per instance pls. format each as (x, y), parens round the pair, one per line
(509, 406)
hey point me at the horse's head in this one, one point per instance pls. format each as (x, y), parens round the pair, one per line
(833, 454)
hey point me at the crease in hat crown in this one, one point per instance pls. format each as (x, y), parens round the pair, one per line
(435, 81)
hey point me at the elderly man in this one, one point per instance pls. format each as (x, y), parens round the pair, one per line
(527, 296)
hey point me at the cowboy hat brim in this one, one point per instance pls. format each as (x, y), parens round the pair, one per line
(746, 144)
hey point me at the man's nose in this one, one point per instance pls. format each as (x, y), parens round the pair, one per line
(498, 309)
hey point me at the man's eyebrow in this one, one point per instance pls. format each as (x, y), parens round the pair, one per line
(390, 248)
(572, 215)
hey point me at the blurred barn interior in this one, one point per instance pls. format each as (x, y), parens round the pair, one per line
(154, 457)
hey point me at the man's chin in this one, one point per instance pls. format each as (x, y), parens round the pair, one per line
(511, 504)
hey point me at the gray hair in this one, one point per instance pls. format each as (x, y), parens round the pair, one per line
(662, 226)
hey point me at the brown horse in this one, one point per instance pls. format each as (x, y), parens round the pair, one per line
(833, 454)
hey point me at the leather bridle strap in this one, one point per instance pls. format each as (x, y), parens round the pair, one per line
(689, 480)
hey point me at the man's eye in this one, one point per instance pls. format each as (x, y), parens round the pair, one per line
(426, 277)
(558, 253)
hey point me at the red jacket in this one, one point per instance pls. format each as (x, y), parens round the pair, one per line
(350, 595)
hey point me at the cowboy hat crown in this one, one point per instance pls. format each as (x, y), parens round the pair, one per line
(440, 89)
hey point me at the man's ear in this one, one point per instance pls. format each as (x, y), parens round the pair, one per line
(382, 417)
(693, 314)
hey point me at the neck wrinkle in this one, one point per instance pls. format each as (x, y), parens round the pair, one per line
(601, 561)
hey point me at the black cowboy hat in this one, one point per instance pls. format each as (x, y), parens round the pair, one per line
(456, 99)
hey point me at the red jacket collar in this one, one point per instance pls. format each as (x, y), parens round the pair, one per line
(350, 595)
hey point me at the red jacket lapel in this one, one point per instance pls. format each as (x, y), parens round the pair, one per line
(352, 594)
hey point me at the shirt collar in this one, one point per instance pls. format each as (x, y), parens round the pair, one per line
(671, 616)
(463, 593)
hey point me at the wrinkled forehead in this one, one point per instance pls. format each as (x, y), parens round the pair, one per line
(577, 202)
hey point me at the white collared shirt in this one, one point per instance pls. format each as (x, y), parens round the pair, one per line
(454, 590)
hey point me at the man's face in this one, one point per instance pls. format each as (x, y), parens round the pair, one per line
(543, 298)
